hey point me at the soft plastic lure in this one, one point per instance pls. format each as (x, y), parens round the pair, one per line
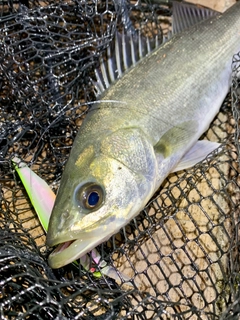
(40, 194)
(42, 199)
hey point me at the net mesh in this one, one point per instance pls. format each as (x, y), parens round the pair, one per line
(181, 252)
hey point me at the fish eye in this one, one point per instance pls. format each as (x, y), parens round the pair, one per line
(90, 196)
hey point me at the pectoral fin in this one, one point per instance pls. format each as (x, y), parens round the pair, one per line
(196, 154)
(176, 138)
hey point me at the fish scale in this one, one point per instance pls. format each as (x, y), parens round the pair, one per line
(164, 103)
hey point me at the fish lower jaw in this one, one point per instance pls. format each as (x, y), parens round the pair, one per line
(69, 251)
(72, 249)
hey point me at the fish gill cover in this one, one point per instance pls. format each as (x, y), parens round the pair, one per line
(181, 253)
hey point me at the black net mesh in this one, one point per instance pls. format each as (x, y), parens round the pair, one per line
(181, 252)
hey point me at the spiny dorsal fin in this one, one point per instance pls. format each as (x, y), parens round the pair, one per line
(128, 47)
(186, 15)
(127, 50)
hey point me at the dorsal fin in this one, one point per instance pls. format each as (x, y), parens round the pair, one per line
(127, 50)
(130, 47)
(186, 14)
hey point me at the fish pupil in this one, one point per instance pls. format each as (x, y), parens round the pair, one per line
(89, 196)
(93, 199)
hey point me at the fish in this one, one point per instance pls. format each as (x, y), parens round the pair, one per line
(145, 125)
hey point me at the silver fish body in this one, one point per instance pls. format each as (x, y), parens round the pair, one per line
(138, 133)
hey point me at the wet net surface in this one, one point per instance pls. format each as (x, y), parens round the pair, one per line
(181, 252)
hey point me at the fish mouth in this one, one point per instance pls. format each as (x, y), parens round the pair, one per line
(68, 251)
(71, 247)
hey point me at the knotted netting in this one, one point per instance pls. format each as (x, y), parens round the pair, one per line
(181, 253)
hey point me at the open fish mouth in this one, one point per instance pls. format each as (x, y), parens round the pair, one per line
(72, 250)
(69, 249)
(63, 246)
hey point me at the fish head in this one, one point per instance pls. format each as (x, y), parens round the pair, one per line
(99, 193)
